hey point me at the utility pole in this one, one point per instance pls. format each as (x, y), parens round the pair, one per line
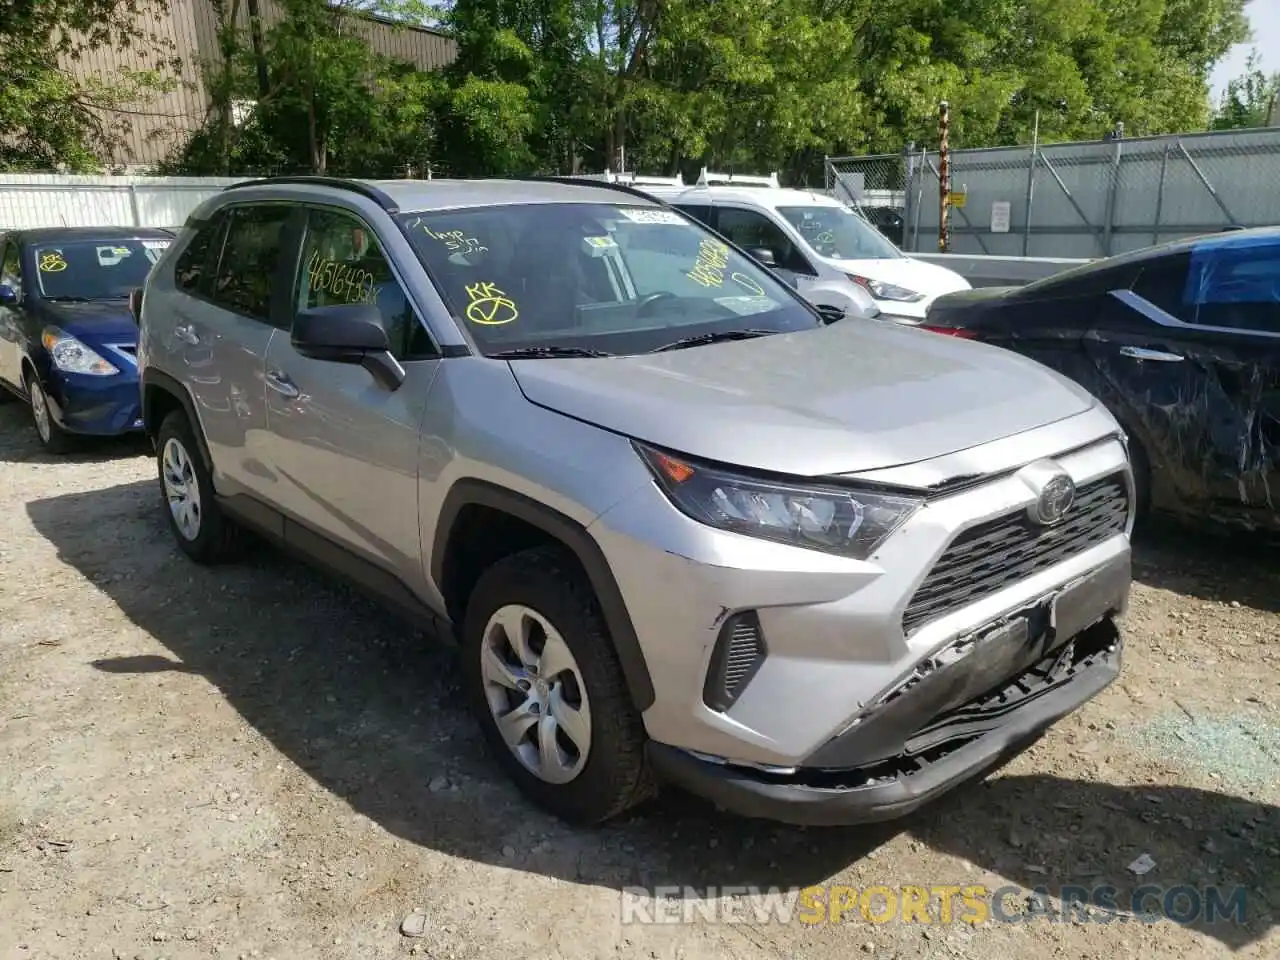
(944, 178)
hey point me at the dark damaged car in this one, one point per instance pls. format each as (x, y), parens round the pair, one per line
(1182, 343)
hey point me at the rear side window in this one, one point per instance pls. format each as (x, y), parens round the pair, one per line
(248, 265)
(189, 271)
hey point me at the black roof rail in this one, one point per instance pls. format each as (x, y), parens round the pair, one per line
(604, 184)
(380, 197)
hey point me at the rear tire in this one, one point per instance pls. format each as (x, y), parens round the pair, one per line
(203, 532)
(566, 692)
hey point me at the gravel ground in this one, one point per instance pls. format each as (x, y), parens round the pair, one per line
(252, 762)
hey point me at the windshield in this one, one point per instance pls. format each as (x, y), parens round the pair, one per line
(840, 233)
(595, 276)
(95, 269)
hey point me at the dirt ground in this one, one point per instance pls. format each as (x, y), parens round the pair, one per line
(253, 762)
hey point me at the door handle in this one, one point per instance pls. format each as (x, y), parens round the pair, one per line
(1143, 353)
(186, 333)
(281, 384)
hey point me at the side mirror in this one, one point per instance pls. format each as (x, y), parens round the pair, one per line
(764, 255)
(830, 313)
(8, 295)
(348, 333)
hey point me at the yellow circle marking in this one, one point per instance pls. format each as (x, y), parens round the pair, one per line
(742, 280)
(52, 263)
(490, 306)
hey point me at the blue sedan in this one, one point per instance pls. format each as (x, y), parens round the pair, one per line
(67, 336)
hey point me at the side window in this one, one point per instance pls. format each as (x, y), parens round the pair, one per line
(1163, 283)
(751, 231)
(1237, 287)
(698, 211)
(11, 269)
(190, 270)
(250, 257)
(343, 263)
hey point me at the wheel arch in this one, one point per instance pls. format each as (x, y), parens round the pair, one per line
(455, 577)
(161, 395)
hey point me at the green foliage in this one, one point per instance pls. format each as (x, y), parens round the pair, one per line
(574, 85)
(47, 118)
(1249, 99)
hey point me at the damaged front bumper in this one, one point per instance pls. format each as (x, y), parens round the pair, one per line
(962, 718)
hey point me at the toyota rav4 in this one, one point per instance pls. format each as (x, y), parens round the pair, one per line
(684, 528)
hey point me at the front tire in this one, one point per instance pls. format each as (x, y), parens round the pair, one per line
(544, 682)
(52, 437)
(204, 533)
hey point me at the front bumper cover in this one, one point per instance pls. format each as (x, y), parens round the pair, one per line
(956, 746)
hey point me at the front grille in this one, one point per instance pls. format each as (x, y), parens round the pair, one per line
(993, 555)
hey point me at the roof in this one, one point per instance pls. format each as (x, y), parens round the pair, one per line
(413, 196)
(51, 234)
(760, 196)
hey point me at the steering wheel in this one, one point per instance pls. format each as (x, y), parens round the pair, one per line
(642, 307)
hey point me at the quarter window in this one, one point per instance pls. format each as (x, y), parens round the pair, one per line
(250, 259)
(342, 262)
(189, 271)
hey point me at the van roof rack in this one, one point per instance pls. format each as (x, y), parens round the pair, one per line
(709, 178)
(635, 179)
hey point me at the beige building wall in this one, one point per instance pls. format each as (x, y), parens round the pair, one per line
(144, 133)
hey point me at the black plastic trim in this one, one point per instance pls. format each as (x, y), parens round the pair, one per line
(715, 689)
(574, 536)
(157, 380)
(313, 548)
(380, 197)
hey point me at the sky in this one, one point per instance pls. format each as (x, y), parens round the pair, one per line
(1264, 17)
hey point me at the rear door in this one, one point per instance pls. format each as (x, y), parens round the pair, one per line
(237, 299)
(1193, 350)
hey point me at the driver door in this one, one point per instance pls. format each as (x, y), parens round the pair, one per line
(752, 230)
(12, 334)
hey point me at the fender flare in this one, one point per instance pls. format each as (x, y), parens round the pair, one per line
(473, 492)
(153, 380)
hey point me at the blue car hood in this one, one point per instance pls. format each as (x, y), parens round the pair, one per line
(98, 321)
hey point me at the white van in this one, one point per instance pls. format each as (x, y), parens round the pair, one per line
(829, 253)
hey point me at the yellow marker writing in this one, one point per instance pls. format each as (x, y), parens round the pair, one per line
(489, 306)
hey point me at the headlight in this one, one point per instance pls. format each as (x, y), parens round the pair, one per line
(849, 522)
(886, 291)
(71, 356)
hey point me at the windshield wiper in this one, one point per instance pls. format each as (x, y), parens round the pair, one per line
(702, 338)
(521, 353)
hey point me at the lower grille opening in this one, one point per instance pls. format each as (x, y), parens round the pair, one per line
(954, 730)
(738, 654)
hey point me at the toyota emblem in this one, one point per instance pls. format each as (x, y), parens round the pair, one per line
(1056, 498)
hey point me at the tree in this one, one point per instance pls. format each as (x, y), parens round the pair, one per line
(1250, 99)
(49, 119)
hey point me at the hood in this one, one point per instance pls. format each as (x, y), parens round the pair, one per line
(101, 321)
(857, 395)
(927, 278)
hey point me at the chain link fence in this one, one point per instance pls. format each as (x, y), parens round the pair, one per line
(1070, 200)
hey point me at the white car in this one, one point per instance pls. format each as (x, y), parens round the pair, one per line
(829, 253)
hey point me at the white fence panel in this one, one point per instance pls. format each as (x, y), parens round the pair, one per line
(55, 200)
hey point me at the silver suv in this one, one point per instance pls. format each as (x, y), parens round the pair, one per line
(684, 528)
